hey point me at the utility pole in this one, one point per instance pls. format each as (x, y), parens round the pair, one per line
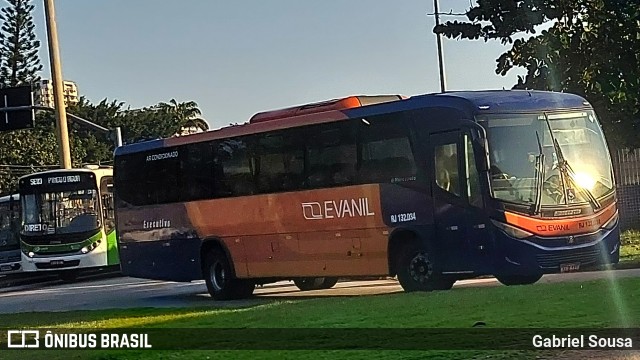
(62, 131)
(443, 85)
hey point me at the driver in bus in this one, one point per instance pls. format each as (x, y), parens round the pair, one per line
(443, 177)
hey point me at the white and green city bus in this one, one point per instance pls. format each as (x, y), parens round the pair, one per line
(68, 220)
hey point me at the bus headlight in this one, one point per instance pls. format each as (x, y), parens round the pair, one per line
(90, 247)
(31, 254)
(512, 230)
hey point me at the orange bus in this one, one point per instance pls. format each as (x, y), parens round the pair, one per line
(431, 189)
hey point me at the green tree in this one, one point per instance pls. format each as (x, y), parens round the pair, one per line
(26, 151)
(22, 151)
(137, 125)
(590, 47)
(186, 114)
(19, 61)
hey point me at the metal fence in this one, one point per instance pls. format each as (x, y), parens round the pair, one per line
(626, 166)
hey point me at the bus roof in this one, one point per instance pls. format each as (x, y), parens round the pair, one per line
(473, 102)
(518, 100)
(7, 198)
(88, 169)
(323, 106)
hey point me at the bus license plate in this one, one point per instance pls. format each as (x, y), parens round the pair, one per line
(569, 267)
(5, 268)
(57, 262)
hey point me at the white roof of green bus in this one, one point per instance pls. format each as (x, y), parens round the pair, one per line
(101, 171)
(7, 198)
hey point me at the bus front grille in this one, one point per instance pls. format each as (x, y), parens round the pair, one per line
(58, 265)
(553, 259)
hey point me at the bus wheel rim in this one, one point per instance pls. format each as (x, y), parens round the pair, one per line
(218, 276)
(420, 268)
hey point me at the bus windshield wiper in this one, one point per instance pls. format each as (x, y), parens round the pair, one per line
(539, 179)
(567, 173)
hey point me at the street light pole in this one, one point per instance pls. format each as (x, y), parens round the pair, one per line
(62, 131)
(443, 85)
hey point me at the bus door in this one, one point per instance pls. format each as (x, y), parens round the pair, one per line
(461, 226)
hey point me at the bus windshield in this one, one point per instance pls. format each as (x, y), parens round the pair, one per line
(8, 223)
(514, 148)
(63, 212)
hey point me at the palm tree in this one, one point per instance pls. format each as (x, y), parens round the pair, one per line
(187, 116)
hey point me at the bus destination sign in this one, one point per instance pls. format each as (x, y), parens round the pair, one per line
(58, 179)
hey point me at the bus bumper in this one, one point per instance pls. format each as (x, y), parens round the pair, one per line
(95, 258)
(553, 255)
(10, 268)
(10, 262)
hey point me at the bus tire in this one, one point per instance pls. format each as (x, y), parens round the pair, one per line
(417, 271)
(220, 280)
(68, 276)
(309, 283)
(444, 284)
(511, 280)
(244, 288)
(329, 282)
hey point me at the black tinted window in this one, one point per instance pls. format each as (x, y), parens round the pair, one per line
(197, 173)
(332, 155)
(280, 161)
(162, 175)
(235, 167)
(316, 156)
(130, 179)
(386, 154)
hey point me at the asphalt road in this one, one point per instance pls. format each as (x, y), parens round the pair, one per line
(124, 292)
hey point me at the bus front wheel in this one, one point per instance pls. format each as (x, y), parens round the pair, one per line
(511, 280)
(221, 283)
(417, 271)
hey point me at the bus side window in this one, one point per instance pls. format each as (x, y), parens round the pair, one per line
(197, 172)
(235, 168)
(280, 161)
(332, 157)
(161, 177)
(386, 155)
(446, 168)
(106, 189)
(5, 217)
(472, 176)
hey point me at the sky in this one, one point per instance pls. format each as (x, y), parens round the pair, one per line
(237, 58)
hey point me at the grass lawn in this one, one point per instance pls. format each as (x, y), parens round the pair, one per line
(592, 304)
(630, 248)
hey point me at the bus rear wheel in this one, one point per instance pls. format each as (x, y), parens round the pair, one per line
(309, 283)
(329, 282)
(315, 283)
(511, 280)
(417, 271)
(220, 280)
